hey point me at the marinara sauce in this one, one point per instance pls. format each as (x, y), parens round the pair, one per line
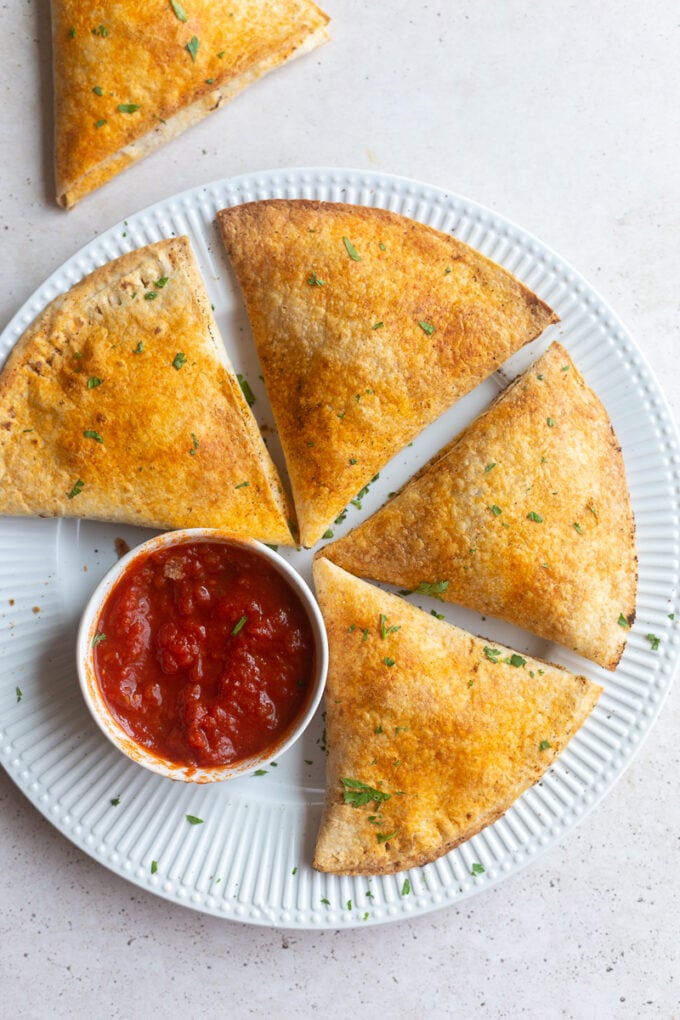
(204, 653)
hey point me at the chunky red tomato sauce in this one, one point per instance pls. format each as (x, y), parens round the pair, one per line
(203, 652)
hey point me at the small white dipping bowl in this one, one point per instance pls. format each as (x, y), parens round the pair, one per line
(110, 725)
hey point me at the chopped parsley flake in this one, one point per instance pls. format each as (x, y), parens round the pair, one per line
(98, 638)
(93, 382)
(246, 390)
(239, 626)
(489, 467)
(193, 820)
(154, 867)
(315, 281)
(150, 295)
(115, 801)
(351, 250)
(654, 641)
(544, 745)
(388, 661)
(326, 902)
(242, 485)
(101, 30)
(622, 621)
(437, 616)
(192, 47)
(76, 490)
(377, 325)
(98, 91)
(139, 348)
(179, 360)
(260, 772)
(180, 13)
(357, 793)
(327, 533)
(91, 434)
(19, 694)
(426, 327)
(532, 516)
(515, 660)
(406, 887)
(477, 869)
(100, 123)
(128, 107)
(495, 510)
(493, 654)
(578, 527)
(384, 836)
(550, 422)
(161, 282)
(384, 629)
(434, 588)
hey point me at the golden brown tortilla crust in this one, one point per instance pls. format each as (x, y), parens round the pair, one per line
(361, 353)
(545, 447)
(452, 736)
(136, 53)
(172, 441)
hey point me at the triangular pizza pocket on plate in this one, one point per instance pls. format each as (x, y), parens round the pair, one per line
(368, 326)
(432, 733)
(130, 76)
(119, 403)
(525, 515)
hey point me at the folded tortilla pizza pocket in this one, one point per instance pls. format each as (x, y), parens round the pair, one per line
(129, 76)
(368, 326)
(432, 733)
(119, 403)
(525, 515)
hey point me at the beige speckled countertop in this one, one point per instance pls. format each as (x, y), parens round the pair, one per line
(564, 119)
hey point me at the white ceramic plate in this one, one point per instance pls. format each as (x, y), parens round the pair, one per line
(250, 858)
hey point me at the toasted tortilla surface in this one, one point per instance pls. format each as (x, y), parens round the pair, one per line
(432, 733)
(525, 516)
(129, 76)
(368, 326)
(119, 403)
